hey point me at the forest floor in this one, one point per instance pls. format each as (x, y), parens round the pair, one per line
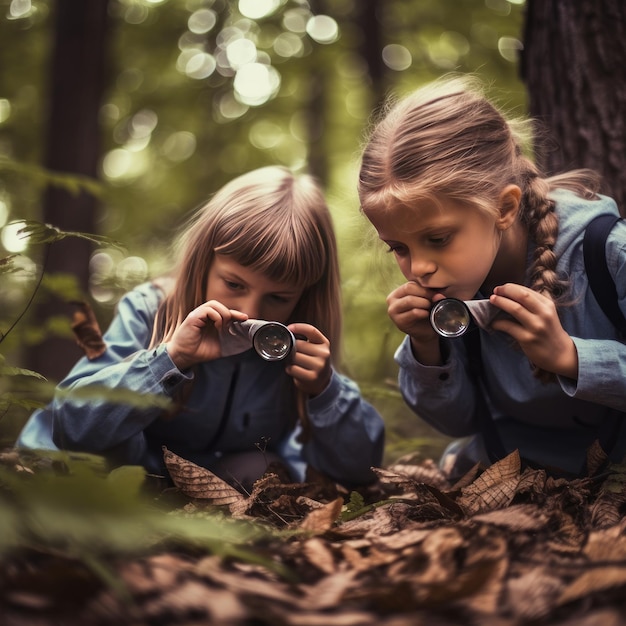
(504, 546)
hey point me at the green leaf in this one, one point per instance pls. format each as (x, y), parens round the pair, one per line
(38, 233)
(74, 183)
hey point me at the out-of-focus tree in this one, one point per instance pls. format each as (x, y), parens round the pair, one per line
(573, 65)
(71, 145)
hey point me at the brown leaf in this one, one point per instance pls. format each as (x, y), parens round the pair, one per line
(198, 482)
(593, 581)
(533, 594)
(87, 331)
(321, 519)
(494, 488)
(425, 472)
(319, 555)
(596, 458)
(519, 518)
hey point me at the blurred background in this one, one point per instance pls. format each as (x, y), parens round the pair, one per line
(119, 117)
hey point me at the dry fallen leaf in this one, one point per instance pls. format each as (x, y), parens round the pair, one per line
(198, 482)
(87, 331)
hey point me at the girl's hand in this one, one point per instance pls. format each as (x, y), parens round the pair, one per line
(310, 367)
(409, 306)
(536, 327)
(196, 340)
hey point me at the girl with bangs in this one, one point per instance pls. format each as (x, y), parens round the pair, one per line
(262, 248)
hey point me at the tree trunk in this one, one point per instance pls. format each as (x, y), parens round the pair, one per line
(573, 66)
(72, 146)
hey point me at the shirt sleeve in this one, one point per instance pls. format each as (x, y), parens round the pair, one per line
(347, 437)
(84, 419)
(443, 395)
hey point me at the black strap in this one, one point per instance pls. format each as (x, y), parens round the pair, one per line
(600, 279)
(493, 443)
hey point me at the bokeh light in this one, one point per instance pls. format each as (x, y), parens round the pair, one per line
(202, 21)
(509, 48)
(256, 83)
(5, 110)
(258, 9)
(323, 29)
(11, 238)
(397, 57)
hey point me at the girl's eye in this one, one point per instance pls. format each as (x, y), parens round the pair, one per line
(280, 299)
(397, 249)
(231, 285)
(440, 240)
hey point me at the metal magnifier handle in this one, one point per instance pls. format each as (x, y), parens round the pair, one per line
(450, 317)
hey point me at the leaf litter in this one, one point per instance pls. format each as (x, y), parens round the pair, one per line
(504, 546)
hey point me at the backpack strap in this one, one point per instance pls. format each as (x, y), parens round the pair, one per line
(600, 279)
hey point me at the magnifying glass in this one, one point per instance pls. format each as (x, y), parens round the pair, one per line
(273, 341)
(450, 317)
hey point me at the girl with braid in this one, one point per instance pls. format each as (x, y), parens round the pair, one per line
(467, 215)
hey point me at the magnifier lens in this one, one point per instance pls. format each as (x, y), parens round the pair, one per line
(450, 317)
(273, 342)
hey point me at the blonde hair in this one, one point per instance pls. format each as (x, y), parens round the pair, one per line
(447, 139)
(274, 222)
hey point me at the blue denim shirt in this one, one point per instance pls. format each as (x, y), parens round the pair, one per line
(551, 424)
(236, 403)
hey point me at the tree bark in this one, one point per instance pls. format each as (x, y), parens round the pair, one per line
(77, 80)
(573, 66)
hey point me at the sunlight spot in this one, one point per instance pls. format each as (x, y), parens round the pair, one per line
(132, 269)
(143, 123)
(121, 164)
(4, 213)
(501, 7)
(20, 8)
(136, 14)
(11, 239)
(323, 29)
(227, 108)
(257, 9)
(256, 83)
(240, 52)
(509, 48)
(179, 146)
(265, 135)
(288, 45)
(197, 64)
(296, 20)
(5, 110)
(397, 57)
(202, 21)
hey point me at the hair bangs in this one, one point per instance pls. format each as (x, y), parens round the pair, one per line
(286, 250)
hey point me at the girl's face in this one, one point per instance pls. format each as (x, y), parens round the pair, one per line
(446, 248)
(251, 292)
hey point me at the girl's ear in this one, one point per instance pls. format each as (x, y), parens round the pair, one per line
(509, 205)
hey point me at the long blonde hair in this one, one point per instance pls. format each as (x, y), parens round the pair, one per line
(447, 139)
(274, 222)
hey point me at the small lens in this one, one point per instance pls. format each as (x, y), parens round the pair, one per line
(273, 341)
(450, 317)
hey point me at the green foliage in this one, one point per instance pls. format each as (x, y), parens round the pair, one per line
(41, 177)
(38, 233)
(70, 504)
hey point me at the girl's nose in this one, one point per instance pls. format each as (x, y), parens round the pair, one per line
(253, 308)
(421, 267)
